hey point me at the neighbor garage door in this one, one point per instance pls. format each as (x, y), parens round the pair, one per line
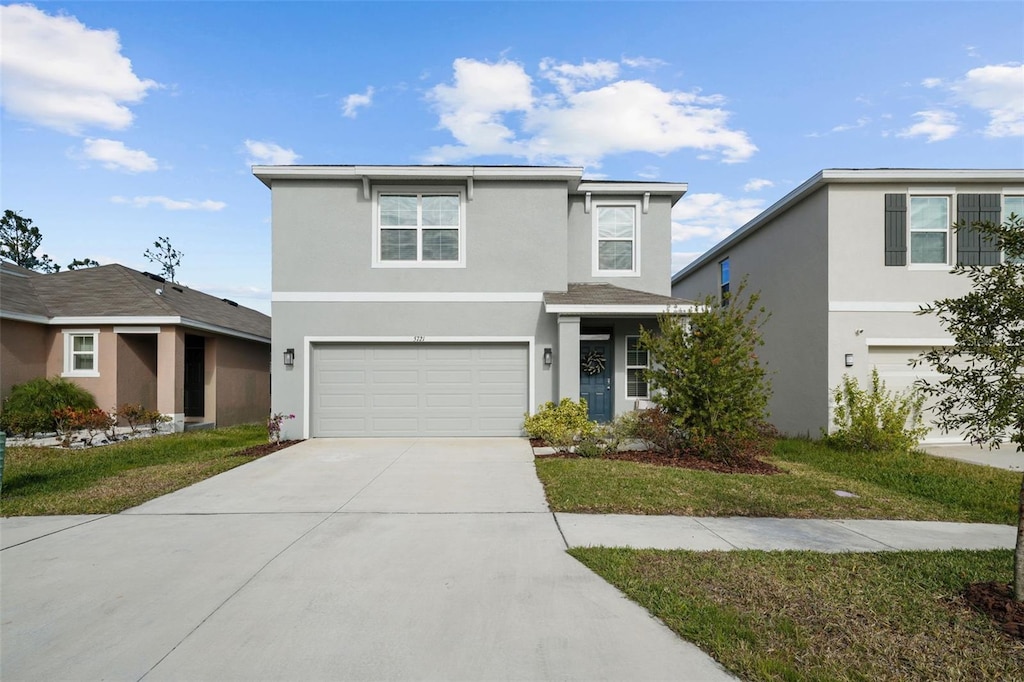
(419, 389)
(893, 364)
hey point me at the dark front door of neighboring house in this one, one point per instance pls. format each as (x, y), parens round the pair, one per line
(596, 378)
(195, 376)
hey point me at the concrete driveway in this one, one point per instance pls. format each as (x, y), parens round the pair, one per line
(334, 559)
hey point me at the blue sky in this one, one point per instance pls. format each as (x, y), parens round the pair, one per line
(126, 121)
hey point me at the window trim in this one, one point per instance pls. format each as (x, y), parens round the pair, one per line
(69, 344)
(1009, 193)
(930, 193)
(420, 191)
(596, 205)
(628, 367)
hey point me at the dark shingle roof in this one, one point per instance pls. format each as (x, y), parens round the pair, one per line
(606, 294)
(118, 291)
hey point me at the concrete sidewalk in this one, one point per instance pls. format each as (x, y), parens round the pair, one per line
(819, 535)
(1006, 457)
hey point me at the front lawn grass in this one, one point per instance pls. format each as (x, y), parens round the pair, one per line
(912, 486)
(812, 616)
(112, 478)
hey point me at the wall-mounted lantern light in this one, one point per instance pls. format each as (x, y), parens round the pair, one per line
(849, 359)
(547, 357)
(289, 357)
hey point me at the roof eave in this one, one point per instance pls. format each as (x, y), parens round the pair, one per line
(267, 174)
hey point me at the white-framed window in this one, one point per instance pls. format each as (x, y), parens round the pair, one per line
(637, 362)
(616, 238)
(929, 225)
(416, 227)
(723, 281)
(1013, 205)
(81, 353)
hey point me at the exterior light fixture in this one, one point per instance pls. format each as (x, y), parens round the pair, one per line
(547, 357)
(289, 357)
(849, 359)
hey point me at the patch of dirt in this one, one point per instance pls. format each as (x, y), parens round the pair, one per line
(996, 601)
(264, 449)
(743, 464)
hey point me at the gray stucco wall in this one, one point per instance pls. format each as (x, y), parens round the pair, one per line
(786, 260)
(323, 231)
(655, 245)
(294, 323)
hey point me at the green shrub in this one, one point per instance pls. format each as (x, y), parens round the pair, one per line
(875, 419)
(561, 425)
(30, 407)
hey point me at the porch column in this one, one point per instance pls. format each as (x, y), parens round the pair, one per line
(170, 372)
(568, 357)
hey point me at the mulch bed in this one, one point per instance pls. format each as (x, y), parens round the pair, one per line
(264, 449)
(996, 601)
(742, 464)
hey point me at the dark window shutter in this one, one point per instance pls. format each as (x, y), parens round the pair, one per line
(971, 248)
(895, 229)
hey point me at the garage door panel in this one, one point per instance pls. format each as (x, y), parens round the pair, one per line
(419, 389)
(893, 365)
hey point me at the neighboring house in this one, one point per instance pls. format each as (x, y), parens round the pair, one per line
(452, 300)
(843, 262)
(130, 337)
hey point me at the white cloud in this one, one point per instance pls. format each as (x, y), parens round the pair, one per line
(61, 74)
(269, 153)
(680, 259)
(843, 127)
(935, 125)
(643, 62)
(757, 184)
(497, 109)
(114, 155)
(350, 105)
(711, 216)
(171, 204)
(997, 90)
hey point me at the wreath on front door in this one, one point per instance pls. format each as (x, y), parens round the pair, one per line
(592, 363)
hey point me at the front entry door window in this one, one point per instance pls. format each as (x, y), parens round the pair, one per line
(596, 379)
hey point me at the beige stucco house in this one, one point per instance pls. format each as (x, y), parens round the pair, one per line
(844, 262)
(131, 337)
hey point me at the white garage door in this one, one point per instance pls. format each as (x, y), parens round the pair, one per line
(893, 364)
(419, 389)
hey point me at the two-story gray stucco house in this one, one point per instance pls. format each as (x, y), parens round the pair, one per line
(452, 300)
(844, 262)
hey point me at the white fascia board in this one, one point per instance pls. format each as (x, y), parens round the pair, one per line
(619, 310)
(267, 174)
(674, 189)
(115, 320)
(846, 176)
(874, 306)
(911, 343)
(125, 320)
(407, 296)
(24, 317)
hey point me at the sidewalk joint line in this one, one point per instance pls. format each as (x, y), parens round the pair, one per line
(54, 532)
(697, 520)
(560, 531)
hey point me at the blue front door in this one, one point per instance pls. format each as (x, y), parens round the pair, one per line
(596, 378)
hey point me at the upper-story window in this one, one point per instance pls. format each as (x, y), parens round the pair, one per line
(419, 228)
(723, 281)
(616, 239)
(929, 229)
(81, 353)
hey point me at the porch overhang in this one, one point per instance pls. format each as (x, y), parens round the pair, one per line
(608, 300)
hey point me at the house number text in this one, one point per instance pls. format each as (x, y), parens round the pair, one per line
(418, 339)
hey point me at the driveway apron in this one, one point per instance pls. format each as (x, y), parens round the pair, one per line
(380, 559)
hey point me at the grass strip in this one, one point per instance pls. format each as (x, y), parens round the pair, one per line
(913, 486)
(812, 616)
(112, 478)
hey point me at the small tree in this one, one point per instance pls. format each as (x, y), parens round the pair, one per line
(80, 263)
(166, 256)
(19, 241)
(982, 389)
(706, 371)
